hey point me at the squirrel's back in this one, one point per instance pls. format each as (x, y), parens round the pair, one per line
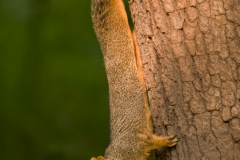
(127, 95)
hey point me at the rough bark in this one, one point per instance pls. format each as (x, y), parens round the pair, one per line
(191, 57)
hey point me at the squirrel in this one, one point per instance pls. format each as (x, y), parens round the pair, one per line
(131, 129)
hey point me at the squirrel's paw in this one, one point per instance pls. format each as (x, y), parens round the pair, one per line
(98, 158)
(171, 141)
(159, 141)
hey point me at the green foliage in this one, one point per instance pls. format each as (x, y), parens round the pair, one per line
(53, 87)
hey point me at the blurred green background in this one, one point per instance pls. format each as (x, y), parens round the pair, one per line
(53, 87)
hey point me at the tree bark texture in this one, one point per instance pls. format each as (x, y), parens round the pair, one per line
(191, 56)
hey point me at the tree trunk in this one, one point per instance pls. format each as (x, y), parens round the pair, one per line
(191, 56)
